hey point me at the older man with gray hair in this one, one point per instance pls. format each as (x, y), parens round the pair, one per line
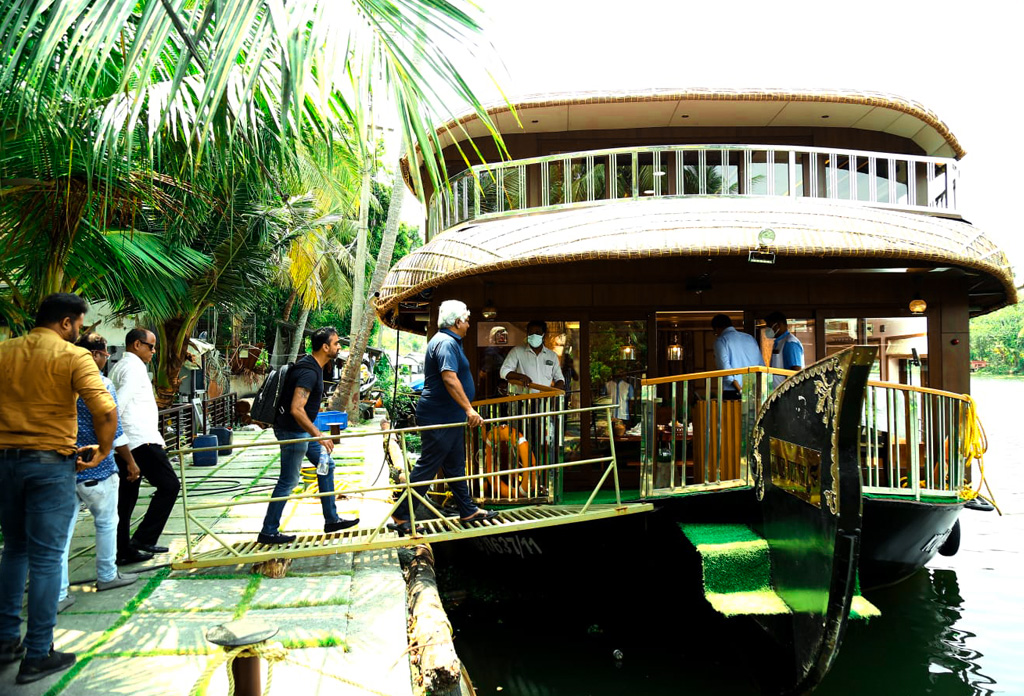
(447, 392)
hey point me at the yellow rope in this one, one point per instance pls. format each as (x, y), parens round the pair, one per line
(973, 447)
(273, 652)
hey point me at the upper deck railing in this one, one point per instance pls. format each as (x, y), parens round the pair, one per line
(553, 182)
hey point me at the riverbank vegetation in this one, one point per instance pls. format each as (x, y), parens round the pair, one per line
(997, 342)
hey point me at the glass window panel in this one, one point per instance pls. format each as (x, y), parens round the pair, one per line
(863, 179)
(781, 170)
(623, 176)
(556, 182)
(842, 167)
(691, 172)
(617, 362)
(902, 174)
(488, 192)
(758, 174)
(578, 180)
(803, 171)
(712, 173)
(882, 180)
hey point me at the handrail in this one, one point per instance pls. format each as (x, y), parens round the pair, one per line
(758, 369)
(410, 489)
(543, 390)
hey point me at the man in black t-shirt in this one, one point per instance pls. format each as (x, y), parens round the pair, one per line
(300, 402)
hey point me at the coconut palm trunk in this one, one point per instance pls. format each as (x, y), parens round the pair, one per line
(346, 397)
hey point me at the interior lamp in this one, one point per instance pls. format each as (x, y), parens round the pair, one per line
(674, 350)
(628, 352)
(489, 311)
(918, 305)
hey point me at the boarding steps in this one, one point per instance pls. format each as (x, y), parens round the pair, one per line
(429, 531)
(736, 566)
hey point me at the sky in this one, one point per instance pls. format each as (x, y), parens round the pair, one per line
(963, 60)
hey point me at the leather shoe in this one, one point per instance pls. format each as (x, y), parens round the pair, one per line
(149, 548)
(133, 556)
(276, 538)
(339, 525)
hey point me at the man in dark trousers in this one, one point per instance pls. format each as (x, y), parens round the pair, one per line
(40, 375)
(300, 401)
(447, 392)
(141, 423)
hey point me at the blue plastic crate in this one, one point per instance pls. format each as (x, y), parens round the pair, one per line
(325, 419)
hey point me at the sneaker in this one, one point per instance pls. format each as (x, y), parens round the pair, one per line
(133, 556)
(339, 525)
(275, 538)
(11, 651)
(65, 603)
(33, 670)
(119, 580)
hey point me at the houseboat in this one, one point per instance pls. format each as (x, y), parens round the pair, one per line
(627, 221)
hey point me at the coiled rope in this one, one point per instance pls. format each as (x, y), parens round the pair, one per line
(272, 652)
(973, 447)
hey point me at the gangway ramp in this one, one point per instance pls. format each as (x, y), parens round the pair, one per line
(429, 531)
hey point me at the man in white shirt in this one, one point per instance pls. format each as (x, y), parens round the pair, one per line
(533, 362)
(140, 421)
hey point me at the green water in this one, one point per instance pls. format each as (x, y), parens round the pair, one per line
(953, 629)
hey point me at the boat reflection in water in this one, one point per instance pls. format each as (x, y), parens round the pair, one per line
(915, 647)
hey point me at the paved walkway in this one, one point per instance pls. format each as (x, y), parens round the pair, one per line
(342, 617)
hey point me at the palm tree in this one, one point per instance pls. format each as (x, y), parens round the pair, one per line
(163, 133)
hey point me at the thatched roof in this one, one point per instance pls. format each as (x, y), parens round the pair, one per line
(652, 108)
(694, 226)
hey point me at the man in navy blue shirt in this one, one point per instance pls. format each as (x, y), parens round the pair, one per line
(447, 392)
(787, 351)
(296, 415)
(733, 350)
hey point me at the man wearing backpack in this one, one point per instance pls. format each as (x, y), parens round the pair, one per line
(296, 412)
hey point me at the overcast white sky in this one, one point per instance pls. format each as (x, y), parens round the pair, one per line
(961, 59)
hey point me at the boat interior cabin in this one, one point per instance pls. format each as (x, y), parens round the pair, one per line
(626, 222)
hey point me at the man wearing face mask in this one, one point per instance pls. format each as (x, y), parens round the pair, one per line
(787, 352)
(533, 362)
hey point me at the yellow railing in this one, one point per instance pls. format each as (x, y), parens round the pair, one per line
(515, 451)
(409, 495)
(912, 438)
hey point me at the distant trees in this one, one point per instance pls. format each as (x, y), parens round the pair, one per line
(998, 339)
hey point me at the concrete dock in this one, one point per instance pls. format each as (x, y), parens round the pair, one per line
(342, 618)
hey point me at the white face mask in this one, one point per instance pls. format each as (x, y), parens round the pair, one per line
(534, 340)
(769, 332)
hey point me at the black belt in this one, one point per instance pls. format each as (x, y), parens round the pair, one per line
(28, 452)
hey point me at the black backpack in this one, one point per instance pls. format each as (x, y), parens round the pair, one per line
(265, 405)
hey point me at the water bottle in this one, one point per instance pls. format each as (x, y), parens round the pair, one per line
(324, 467)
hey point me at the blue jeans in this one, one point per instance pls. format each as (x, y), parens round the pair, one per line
(101, 499)
(444, 451)
(37, 502)
(291, 463)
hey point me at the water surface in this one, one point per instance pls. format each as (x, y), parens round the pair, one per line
(953, 629)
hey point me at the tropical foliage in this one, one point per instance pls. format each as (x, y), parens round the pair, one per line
(170, 156)
(998, 339)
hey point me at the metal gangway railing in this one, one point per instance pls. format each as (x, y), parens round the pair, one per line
(694, 437)
(431, 526)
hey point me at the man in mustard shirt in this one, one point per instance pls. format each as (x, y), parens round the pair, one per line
(41, 376)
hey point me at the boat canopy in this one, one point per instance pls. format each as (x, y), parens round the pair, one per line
(701, 226)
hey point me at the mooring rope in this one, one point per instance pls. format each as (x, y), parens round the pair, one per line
(973, 447)
(272, 652)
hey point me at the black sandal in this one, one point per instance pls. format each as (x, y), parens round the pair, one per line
(402, 528)
(479, 516)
